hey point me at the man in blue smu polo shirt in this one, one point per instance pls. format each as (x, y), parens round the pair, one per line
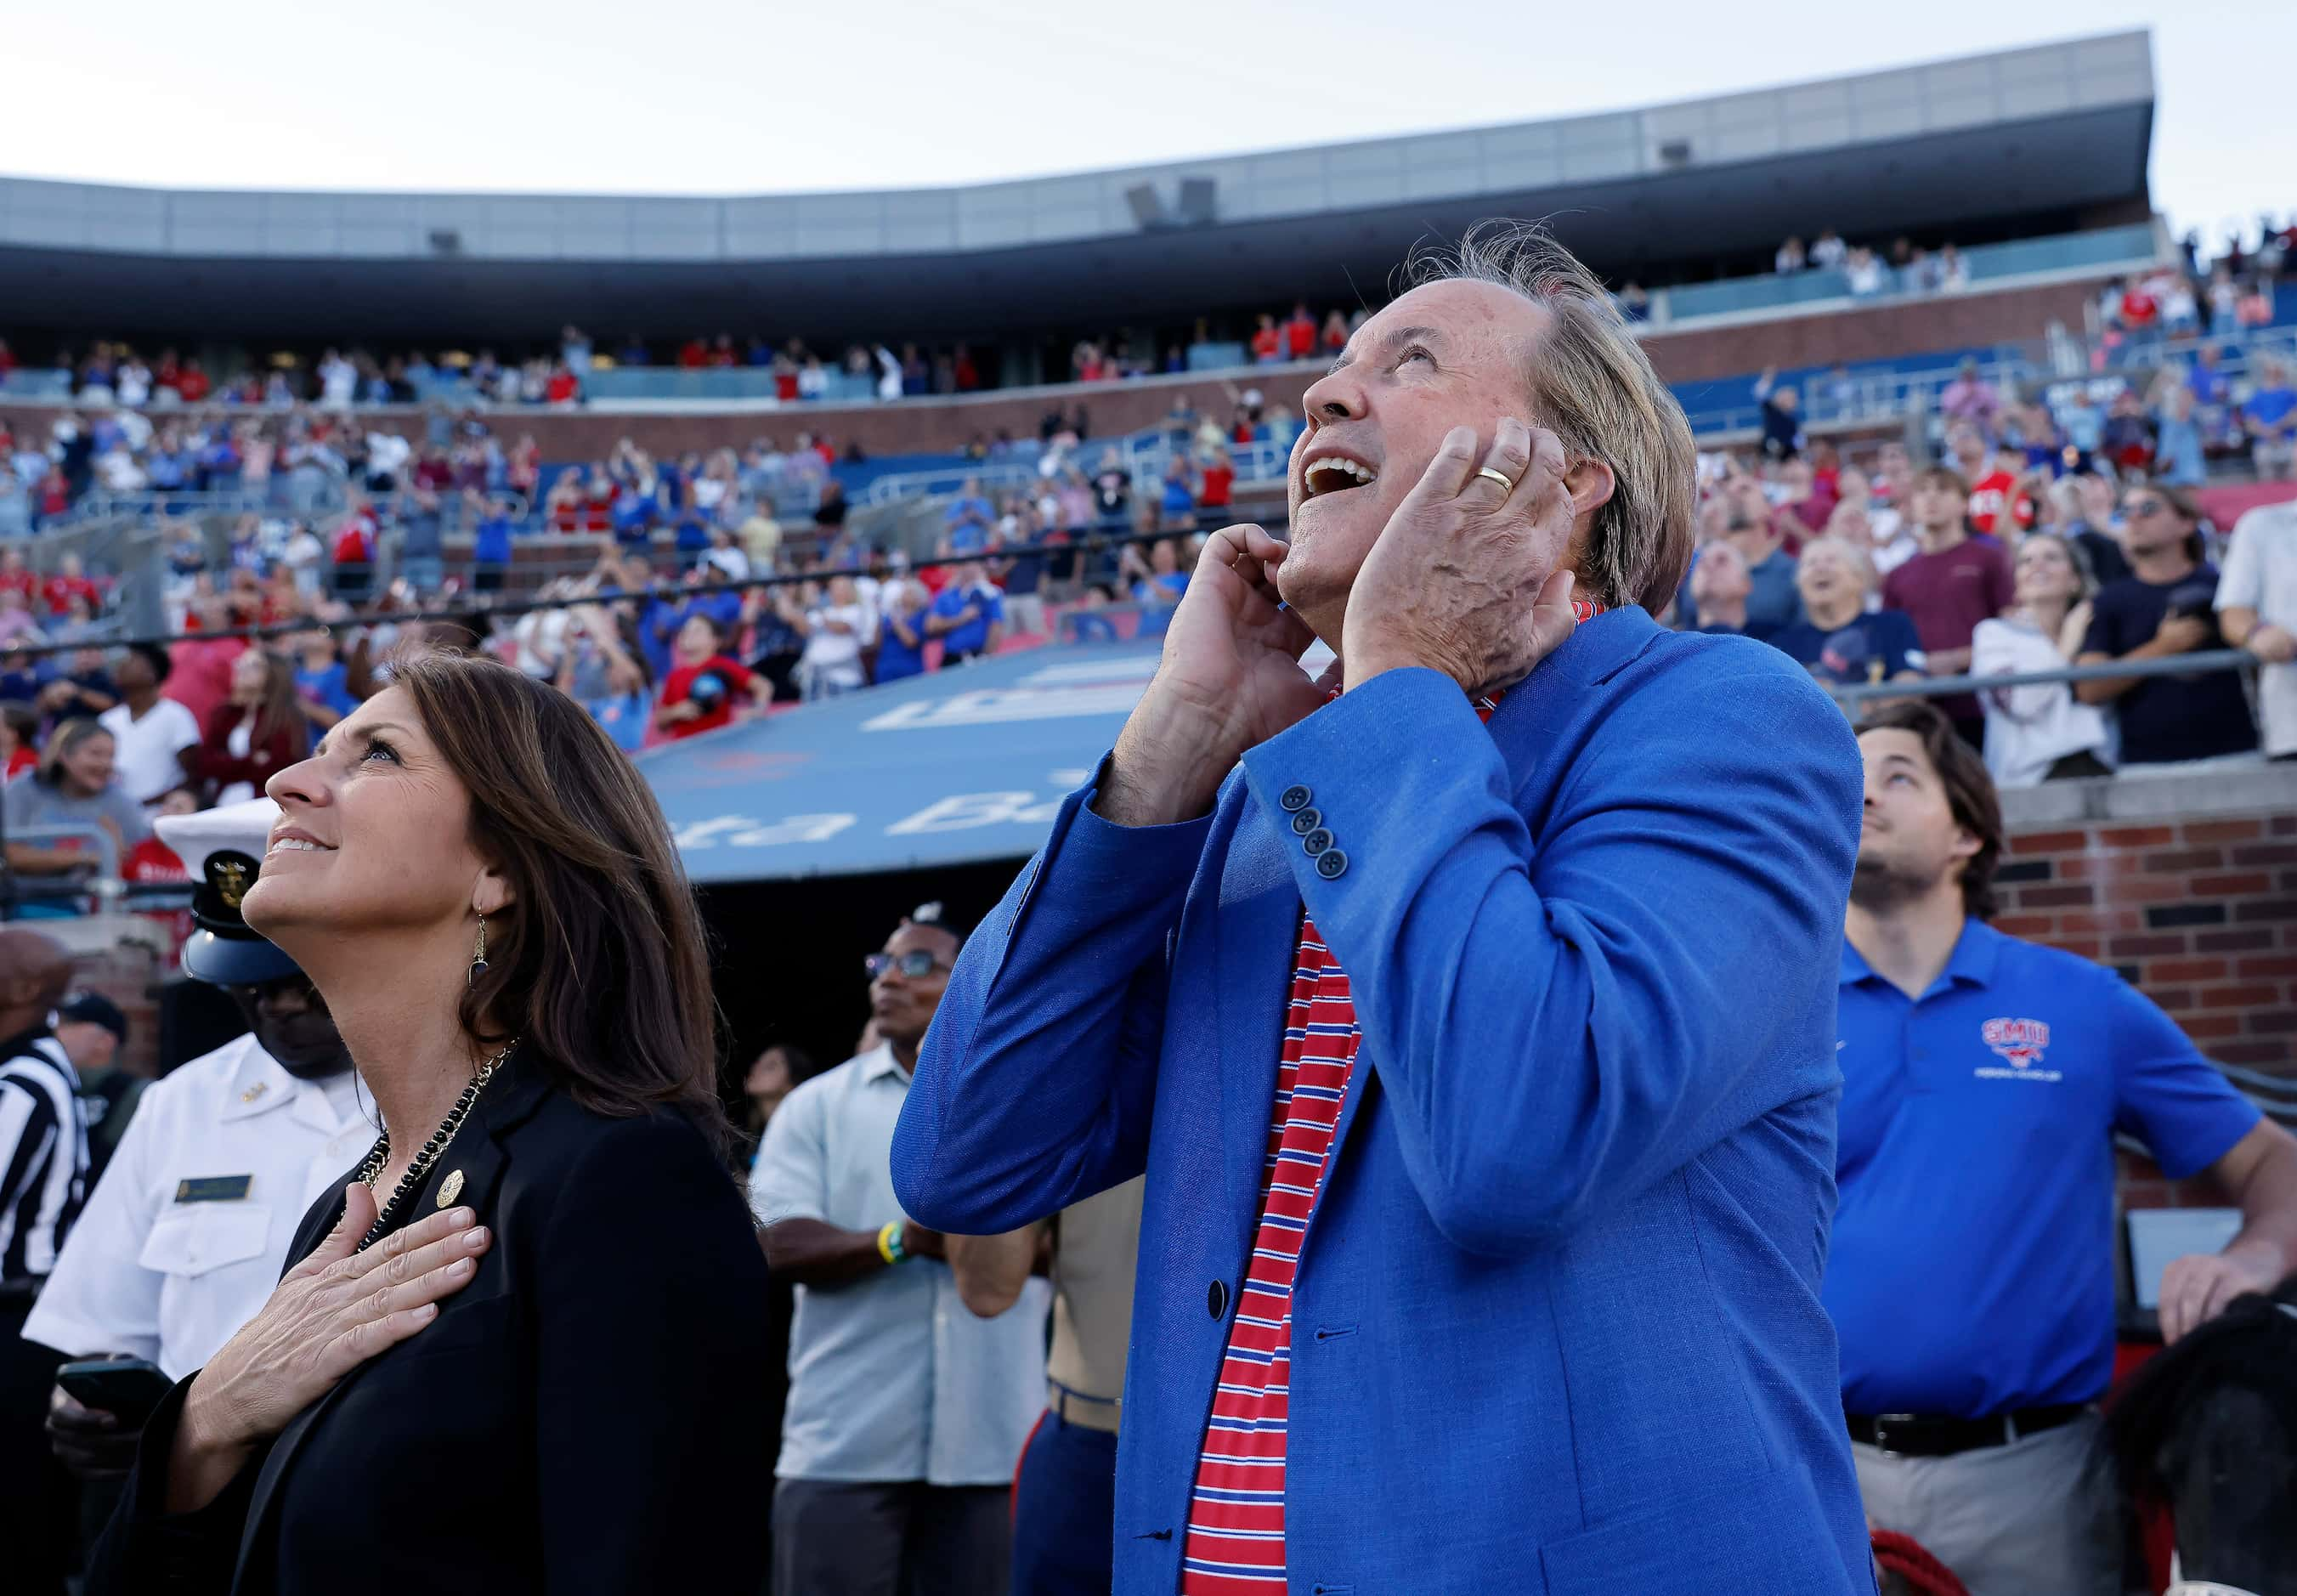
(1971, 1277)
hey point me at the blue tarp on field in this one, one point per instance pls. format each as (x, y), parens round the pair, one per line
(951, 768)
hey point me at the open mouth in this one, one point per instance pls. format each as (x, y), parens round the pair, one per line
(297, 845)
(1334, 474)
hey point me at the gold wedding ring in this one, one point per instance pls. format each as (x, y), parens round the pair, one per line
(1507, 483)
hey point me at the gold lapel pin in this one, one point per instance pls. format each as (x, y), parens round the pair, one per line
(450, 1187)
(254, 1092)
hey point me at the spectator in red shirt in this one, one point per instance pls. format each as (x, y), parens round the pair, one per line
(722, 352)
(698, 694)
(192, 385)
(259, 731)
(53, 493)
(1335, 332)
(1267, 343)
(1808, 502)
(20, 734)
(70, 582)
(563, 388)
(1948, 588)
(2000, 501)
(354, 553)
(16, 576)
(1218, 476)
(1300, 332)
(694, 354)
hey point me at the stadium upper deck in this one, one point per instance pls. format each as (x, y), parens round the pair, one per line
(2050, 139)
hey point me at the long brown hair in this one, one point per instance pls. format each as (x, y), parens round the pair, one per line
(280, 710)
(1969, 796)
(600, 961)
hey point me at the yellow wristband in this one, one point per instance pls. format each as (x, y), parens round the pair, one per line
(886, 1245)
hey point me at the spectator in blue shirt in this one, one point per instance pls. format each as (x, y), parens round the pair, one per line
(1840, 640)
(967, 616)
(2177, 439)
(2269, 413)
(490, 524)
(1970, 1277)
(1176, 505)
(965, 529)
(322, 680)
(902, 640)
(2207, 380)
(2084, 424)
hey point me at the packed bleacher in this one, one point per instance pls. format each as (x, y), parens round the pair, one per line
(675, 594)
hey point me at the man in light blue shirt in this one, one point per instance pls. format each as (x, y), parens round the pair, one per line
(907, 1414)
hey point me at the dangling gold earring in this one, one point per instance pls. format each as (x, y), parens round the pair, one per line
(479, 954)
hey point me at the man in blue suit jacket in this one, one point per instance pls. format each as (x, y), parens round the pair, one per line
(1554, 1321)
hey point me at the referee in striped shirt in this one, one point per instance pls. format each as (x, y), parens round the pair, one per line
(43, 1182)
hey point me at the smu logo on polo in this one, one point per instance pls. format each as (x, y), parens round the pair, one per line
(2022, 1043)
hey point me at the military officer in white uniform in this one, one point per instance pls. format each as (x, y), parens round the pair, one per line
(186, 1233)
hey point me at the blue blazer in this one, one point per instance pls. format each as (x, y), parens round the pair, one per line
(1556, 1325)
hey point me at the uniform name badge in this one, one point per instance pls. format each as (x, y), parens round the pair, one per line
(214, 1189)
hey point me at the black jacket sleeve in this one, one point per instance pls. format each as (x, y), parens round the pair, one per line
(146, 1551)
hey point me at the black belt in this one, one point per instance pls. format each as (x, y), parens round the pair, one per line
(1941, 1435)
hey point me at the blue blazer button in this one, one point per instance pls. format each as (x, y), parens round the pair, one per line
(1305, 821)
(1315, 841)
(1331, 864)
(1295, 798)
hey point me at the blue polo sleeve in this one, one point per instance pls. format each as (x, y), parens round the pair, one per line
(2166, 1093)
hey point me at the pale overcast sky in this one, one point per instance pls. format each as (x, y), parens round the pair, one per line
(716, 96)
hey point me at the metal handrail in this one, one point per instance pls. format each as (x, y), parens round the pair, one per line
(1941, 687)
(106, 887)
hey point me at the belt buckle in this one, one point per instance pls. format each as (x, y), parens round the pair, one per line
(1882, 1423)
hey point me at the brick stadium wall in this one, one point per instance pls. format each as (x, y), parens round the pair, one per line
(2187, 885)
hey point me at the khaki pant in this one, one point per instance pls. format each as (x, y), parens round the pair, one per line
(2027, 1518)
(1026, 612)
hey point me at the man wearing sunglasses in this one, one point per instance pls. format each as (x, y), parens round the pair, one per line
(2165, 607)
(907, 1412)
(184, 1236)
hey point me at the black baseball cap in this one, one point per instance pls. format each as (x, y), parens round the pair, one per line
(94, 1008)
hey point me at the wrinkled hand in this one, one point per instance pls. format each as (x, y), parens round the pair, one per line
(330, 1314)
(2196, 1288)
(2276, 645)
(90, 1442)
(2182, 634)
(1465, 577)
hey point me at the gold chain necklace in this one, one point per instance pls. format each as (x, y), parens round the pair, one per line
(416, 1171)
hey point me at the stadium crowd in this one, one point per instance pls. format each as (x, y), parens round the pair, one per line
(2052, 530)
(2048, 529)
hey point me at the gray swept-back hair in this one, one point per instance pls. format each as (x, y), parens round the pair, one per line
(1593, 387)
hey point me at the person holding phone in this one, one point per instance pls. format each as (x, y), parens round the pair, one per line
(184, 1236)
(519, 1347)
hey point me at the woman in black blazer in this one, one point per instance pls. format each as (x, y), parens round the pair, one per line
(520, 1351)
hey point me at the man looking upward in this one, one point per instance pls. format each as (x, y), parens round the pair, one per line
(1489, 1149)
